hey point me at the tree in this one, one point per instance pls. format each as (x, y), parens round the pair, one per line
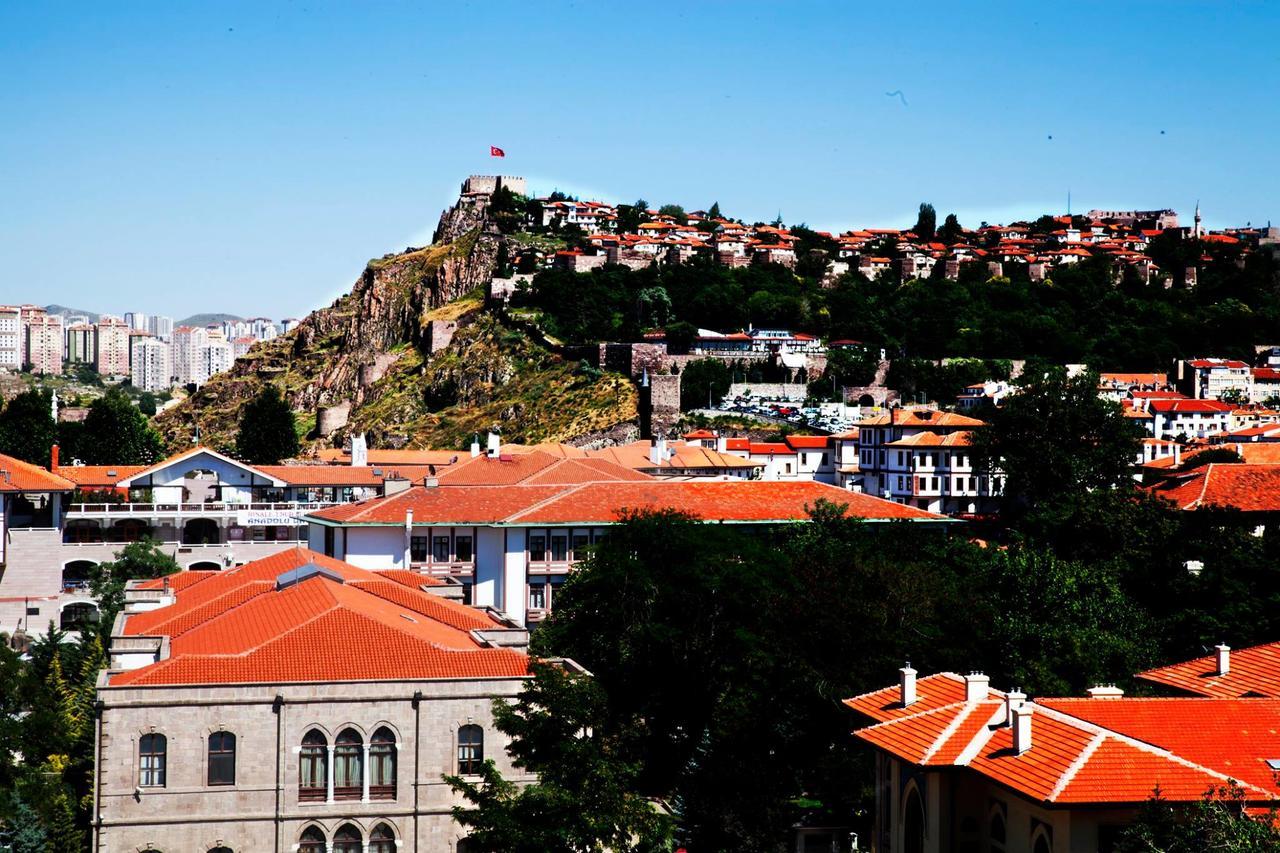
(675, 211)
(714, 212)
(926, 222)
(137, 560)
(1217, 822)
(147, 403)
(268, 431)
(585, 799)
(1055, 440)
(704, 383)
(681, 336)
(950, 232)
(27, 430)
(631, 215)
(116, 433)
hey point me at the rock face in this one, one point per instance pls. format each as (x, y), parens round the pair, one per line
(375, 349)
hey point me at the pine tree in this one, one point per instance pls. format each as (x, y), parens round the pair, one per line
(28, 835)
(714, 212)
(268, 432)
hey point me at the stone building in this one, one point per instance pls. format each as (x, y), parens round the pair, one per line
(296, 703)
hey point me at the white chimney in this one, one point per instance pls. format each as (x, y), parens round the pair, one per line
(1224, 658)
(722, 443)
(495, 445)
(1013, 699)
(907, 682)
(359, 451)
(976, 686)
(475, 446)
(1177, 455)
(1021, 729)
(1105, 691)
(655, 451)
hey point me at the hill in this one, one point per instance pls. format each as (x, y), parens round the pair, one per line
(67, 312)
(412, 357)
(208, 319)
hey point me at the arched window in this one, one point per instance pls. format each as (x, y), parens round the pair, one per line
(313, 769)
(382, 765)
(347, 840)
(221, 850)
(222, 758)
(996, 833)
(470, 749)
(348, 766)
(78, 615)
(152, 749)
(382, 840)
(913, 824)
(1042, 844)
(311, 840)
(200, 531)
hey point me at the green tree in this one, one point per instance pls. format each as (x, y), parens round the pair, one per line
(681, 336)
(116, 433)
(268, 430)
(27, 831)
(950, 232)
(631, 215)
(27, 430)
(926, 222)
(704, 383)
(1217, 822)
(1055, 440)
(585, 799)
(714, 211)
(137, 560)
(147, 403)
(675, 211)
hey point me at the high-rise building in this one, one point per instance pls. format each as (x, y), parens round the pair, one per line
(160, 326)
(111, 350)
(188, 345)
(218, 356)
(42, 334)
(264, 329)
(136, 320)
(288, 324)
(80, 343)
(149, 364)
(10, 338)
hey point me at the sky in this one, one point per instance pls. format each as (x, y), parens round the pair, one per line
(248, 158)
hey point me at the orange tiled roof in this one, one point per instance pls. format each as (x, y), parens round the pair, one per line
(19, 476)
(1253, 672)
(337, 456)
(98, 476)
(238, 627)
(920, 418)
(1245, 487)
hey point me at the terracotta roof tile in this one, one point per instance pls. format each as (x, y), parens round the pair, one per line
(19, 476)
(1252, 671)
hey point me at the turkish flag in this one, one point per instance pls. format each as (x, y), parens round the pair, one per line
(495, 151)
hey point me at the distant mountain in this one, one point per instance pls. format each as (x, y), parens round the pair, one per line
(68, 312)
(206, 319)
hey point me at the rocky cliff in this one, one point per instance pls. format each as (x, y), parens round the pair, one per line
(412, 357)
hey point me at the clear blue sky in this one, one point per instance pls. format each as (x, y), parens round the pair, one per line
(249, 157)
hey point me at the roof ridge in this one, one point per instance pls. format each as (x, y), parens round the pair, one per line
(1144, 746)
(981, 738)
(950, 730)
(1076, 766)
(917, 715)
(549, 499)
(951, 675)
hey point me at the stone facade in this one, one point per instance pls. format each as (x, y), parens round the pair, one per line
(489, 184)
(262, 810)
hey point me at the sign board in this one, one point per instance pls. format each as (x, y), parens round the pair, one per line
(269, 517)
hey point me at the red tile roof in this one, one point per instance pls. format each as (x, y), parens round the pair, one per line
(239, 627)
(98, 476)
(920, 418)
(1202, 407)
(19, 476)
(1253, 671)
(1245, 487)
(443, 505)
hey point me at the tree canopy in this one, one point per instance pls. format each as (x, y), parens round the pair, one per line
(27, 430)
(116, 433)
(268, 430)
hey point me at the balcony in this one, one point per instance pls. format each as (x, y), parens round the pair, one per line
(228, 510)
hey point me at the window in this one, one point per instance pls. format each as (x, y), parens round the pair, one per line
(537, 548)
(222, 758)
(311, 841)
(313, 769)
(348, 767)
(382, 840)
(913, 824)
(382, 765)
(462, 549)
(996, 833)
(347, 840)
(152, 750)
(580, 543)
(440, 549)
(418, 548)
(470, 750)
(221, 850)
(1042, 844)
(559, 547)
(538, 595)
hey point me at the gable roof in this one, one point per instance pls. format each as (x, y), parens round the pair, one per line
(19, 476)
(1253, 671)
(192, 453)
(338, 623)
(98, 476)
(920, 418)
(1242, 486)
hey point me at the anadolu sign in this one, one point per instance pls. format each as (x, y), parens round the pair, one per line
(268, 517)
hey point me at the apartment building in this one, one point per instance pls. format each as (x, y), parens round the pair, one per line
(189, 343)
(80, 343)
(111, 347)
(150, 368)
(160, 326)
(1187, 418)
(316, 706)
(11, 338)
(42, 340)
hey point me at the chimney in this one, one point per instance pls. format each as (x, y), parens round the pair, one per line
(976, 686)
(1177, 455)
(655, 452)
(359, 451)
(1105, 691)
(394, 484)
(907, 682)
(1224, 658)
(495, 446)
(53, 459)
(1021, 729)
(430, 482)
(722, 442)
(475, 446)
(1013, 699)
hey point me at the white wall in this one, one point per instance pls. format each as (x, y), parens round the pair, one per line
(490, 563)
(374, 547)
(514, 575)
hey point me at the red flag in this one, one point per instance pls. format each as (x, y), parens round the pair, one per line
(495, 151)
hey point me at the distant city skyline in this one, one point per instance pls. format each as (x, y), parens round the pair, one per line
(249, 160)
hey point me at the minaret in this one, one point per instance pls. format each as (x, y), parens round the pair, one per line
(1198, 232)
